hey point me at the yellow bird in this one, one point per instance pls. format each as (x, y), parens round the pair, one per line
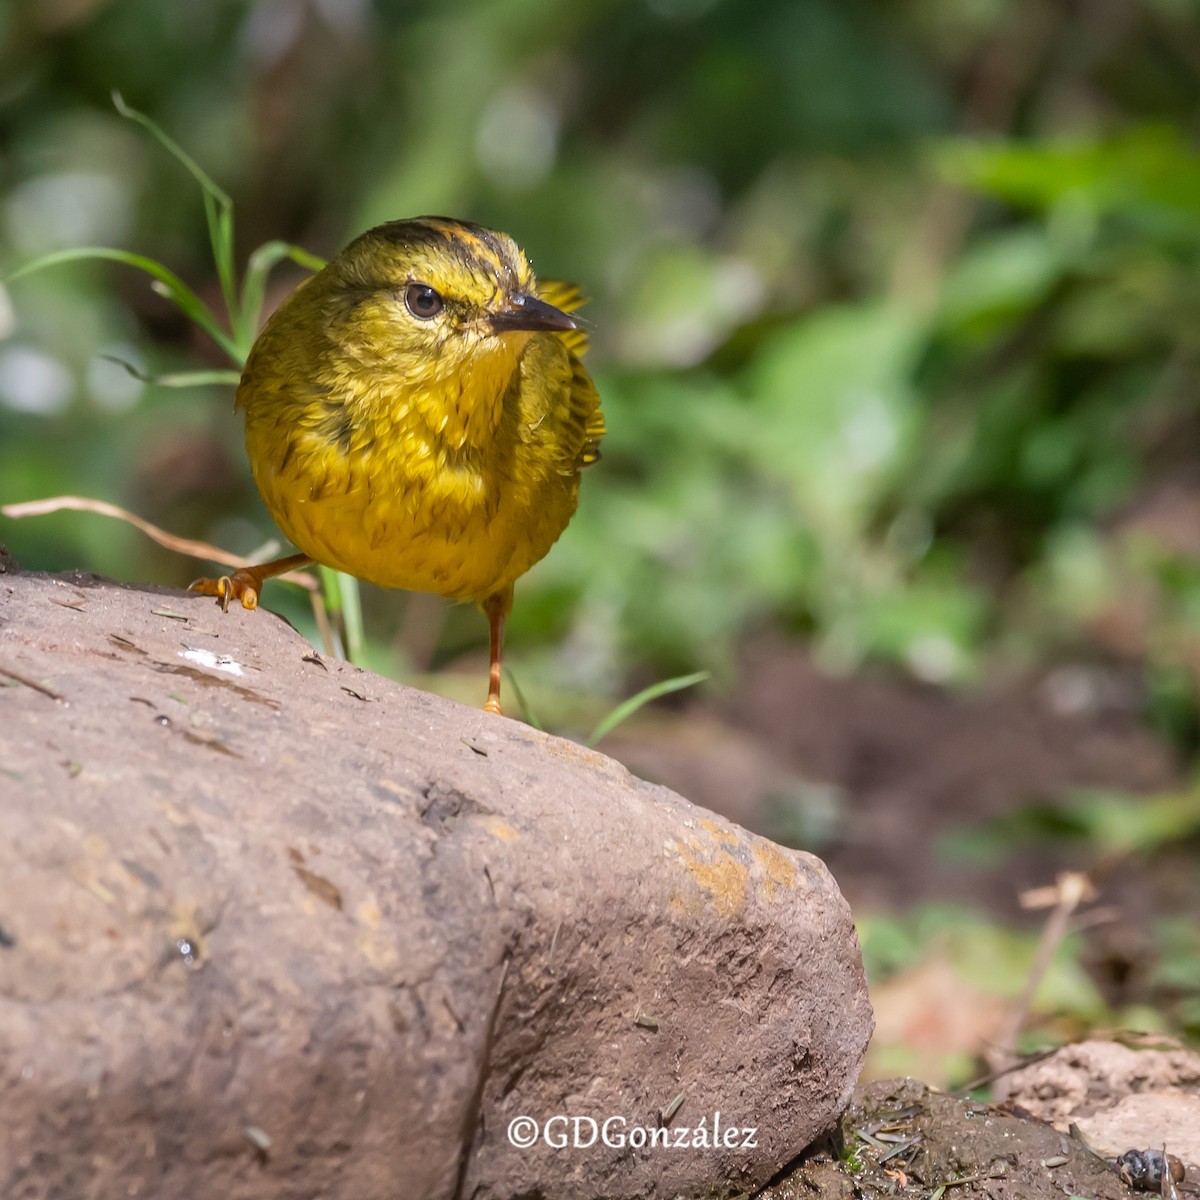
(417, 415)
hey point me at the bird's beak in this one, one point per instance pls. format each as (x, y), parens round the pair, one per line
(530, 313)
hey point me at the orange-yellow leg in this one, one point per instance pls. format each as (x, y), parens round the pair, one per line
(246, 582)
(497, 607)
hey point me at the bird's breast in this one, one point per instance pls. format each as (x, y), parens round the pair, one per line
(421, 491)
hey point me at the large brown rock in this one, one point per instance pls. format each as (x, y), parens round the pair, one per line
(275, 926)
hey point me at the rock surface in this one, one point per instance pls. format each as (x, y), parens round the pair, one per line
(1120, 1097)
(274, 926)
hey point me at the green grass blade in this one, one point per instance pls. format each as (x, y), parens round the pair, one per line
(530, 716)
(352, 619)
(344, 603)
(254, 284)
(220, 235)
(178, 379)
(218, 211)
(168, 284)
(627, 708)
(331, 595)
(187, 379)
(176, 150)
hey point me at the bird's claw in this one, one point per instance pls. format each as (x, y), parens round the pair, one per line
(241, 585)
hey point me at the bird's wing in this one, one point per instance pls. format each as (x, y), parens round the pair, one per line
(584, 417)
(561, 294)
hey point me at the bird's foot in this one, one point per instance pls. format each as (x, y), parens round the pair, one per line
(492, 705)
(243, 585)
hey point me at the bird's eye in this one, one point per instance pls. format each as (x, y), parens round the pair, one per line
(422, 301)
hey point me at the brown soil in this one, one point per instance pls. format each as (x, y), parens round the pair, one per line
(900, 1138)
(1119, 1096)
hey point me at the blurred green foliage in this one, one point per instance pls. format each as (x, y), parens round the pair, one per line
(895, 306)
(978, 957)
(1107, 824)
(992, 959)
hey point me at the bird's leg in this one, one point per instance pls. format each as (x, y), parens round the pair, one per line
(246, 582)
(497, 607)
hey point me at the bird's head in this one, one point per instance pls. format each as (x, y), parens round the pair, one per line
(432, 296)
